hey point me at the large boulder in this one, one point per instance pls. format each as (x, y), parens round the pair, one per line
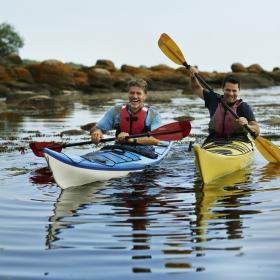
(136, 72)
(214, 79)
(161, 68)
(106, 64)
(167, 79)
(275, 75)
(183, 70)
(255, 68)
(15, 98)
(100, 78)
(38, 102)
(23, 75)
(254, 80)
(80, 78)
(52, 72)
(238, 68)
(159, 77)
(121, 79)
(6, 76)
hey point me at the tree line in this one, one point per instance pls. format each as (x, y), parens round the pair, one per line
(10, 40)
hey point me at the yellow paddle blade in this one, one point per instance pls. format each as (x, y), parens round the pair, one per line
(268, 150)
(170, 49)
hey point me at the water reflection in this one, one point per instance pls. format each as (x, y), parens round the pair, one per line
(220, 207)
(133, 205)
(269, 172)
(17, 122)
(158, 220)
(155, 224)
(143, 217)
(68, 205)
(42, 176)
(10, 121)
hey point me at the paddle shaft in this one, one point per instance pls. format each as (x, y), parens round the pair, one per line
(90, 142)
(102, 141)
(148, 134)
(205, 85)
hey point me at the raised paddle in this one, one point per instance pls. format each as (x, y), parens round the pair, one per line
(170, 132)
(269, 151)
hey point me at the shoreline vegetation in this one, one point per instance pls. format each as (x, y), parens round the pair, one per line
(37, 86)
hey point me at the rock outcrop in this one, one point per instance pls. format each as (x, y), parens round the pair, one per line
(55, 77)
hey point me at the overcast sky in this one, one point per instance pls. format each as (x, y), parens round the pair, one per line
(212, 34)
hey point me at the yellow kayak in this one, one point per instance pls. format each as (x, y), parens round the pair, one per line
(221, 157)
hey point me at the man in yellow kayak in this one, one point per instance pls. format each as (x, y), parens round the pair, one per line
(131, 118)
(222, 123)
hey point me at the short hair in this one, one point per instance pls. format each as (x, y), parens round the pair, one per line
(138, 83)
(231, 79)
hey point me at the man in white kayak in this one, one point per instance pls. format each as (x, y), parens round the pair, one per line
(222, 123)
(131, 118)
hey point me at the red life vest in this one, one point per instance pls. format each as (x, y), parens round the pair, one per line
(224, 122)
(133, 123)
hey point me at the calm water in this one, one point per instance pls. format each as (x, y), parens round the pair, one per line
(159, 224)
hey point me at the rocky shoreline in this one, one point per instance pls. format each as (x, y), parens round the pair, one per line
(39, 85)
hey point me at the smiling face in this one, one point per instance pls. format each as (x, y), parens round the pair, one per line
(136, 97)
(231, 92)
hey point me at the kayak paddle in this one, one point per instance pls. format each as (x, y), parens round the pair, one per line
(269, 151)
(170, 132)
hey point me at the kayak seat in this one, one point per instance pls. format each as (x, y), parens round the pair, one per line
(221, 151)
(243, 149)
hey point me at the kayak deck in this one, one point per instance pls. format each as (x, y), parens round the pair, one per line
(219, 158)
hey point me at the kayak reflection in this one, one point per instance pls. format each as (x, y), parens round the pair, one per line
(220, 206)
(68, 204)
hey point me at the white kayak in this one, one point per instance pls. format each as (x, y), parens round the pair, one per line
(113, 162)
